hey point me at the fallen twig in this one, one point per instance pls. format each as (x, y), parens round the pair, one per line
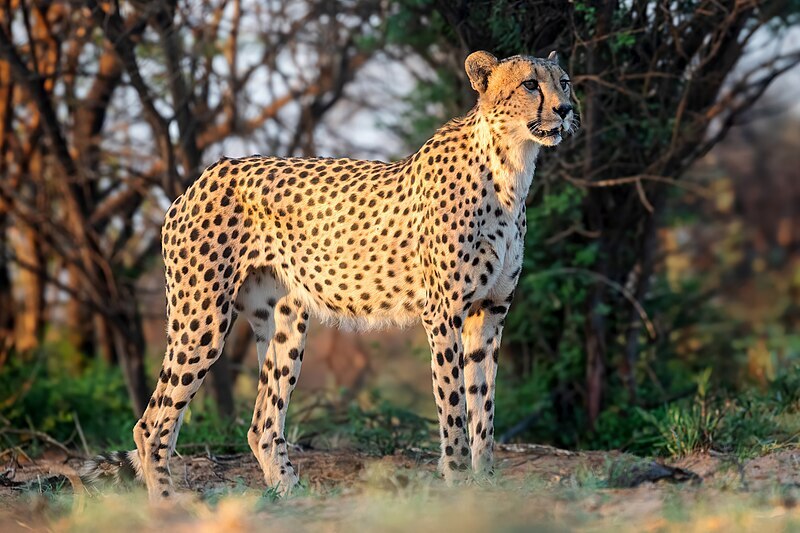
(41, 436)
(80, 433)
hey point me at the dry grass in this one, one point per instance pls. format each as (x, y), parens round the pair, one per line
(537, 489)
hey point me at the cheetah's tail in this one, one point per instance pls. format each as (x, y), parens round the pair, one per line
(117, 468)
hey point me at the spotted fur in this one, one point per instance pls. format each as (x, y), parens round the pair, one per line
(120, 468)
(435, 237)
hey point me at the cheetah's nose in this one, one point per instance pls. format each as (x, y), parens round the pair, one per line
(562, 110)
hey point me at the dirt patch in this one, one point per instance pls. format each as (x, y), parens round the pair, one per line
(533, 482)
(329, 469)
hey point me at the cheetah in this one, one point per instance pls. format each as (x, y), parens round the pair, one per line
(436, 237)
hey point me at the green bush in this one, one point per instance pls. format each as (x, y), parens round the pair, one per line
(743, 423)
(48, 396)
(51, 396)
(386, 428)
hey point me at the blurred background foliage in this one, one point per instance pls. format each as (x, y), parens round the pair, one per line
(659, 304)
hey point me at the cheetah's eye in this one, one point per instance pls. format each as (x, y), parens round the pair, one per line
(531, 85)
(565, 84)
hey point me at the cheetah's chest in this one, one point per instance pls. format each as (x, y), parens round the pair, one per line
(498, 276)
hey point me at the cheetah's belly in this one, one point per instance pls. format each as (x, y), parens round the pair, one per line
(360, 278)
(370, 296)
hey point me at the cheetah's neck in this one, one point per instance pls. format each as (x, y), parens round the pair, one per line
(499, 156)
(510, 155)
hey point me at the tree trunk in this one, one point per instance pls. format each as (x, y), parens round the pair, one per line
(29, 320)
(78, 317)
(595, 357)
(105, 340)
(6, 296)
(128, 336)
(226, 368)
(643, 272)
(222, 385)
(129, 343)
(237, 347)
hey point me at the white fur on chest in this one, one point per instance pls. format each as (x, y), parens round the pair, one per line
(513, 169)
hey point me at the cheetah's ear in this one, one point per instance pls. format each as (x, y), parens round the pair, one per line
(553, 57)
(478, 66)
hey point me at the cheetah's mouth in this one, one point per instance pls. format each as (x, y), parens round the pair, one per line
(543, 136)
(547, 133)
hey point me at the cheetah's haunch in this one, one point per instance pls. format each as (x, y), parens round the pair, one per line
(437, 237)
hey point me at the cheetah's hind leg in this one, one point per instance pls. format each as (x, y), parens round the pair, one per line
(279, 321)
(194, 342)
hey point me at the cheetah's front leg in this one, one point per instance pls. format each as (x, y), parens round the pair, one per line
(482, 331)
(447, 365)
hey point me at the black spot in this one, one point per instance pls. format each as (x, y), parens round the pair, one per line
(477, 356)
(454, 398)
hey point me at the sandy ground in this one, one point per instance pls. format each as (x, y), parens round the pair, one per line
(564, 489)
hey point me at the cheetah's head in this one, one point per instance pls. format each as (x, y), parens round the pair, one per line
(531, 96)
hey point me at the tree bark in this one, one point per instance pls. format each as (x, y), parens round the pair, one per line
(226, 370)
(78, 318)
(7, 319)
(237, 347)
(595, 355)
(130, 346)
(30, 292)
(105, 339)
(222, 385)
